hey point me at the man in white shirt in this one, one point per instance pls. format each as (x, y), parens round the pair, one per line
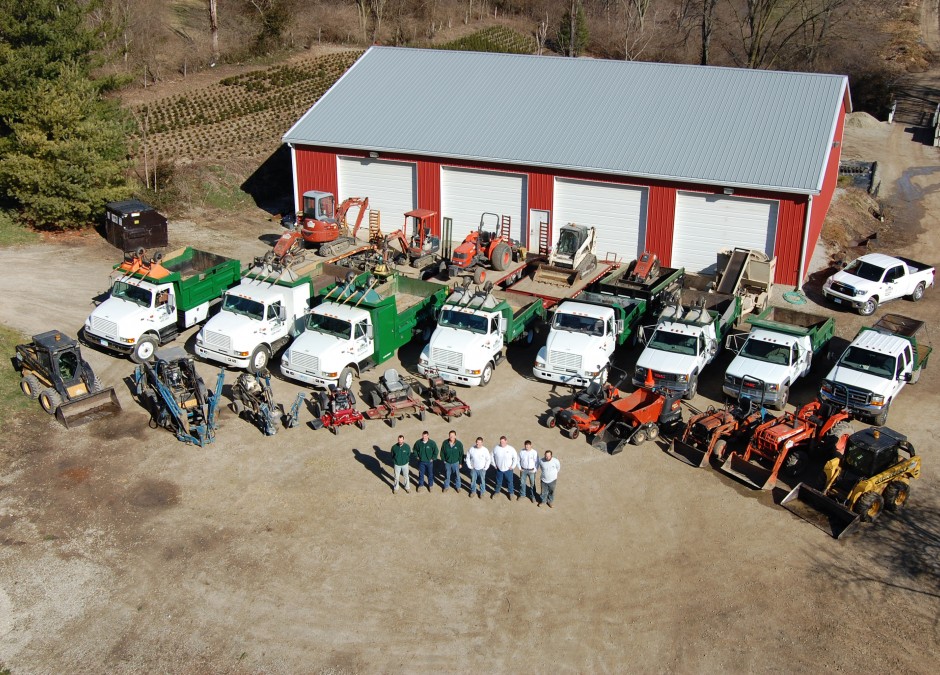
(528, 463)
(550, 468)
(478, 461)
(506, 460)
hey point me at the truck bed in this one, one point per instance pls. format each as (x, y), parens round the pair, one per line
(552, 294)
(914, 266)
(899, 325)
(790, 321)
(188, 266)
(616, 283)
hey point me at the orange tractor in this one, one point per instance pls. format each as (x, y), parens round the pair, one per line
(489, 245)
(324, 225)
(785, 443)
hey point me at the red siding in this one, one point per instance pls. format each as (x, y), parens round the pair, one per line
(316, 170)
(429, 190)
(660, 221)
(822, 201)
(790, 220)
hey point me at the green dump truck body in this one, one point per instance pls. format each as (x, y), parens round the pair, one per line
(197, 276)
(819, 329)
(520, 312)
(628, 311)
(908, 329)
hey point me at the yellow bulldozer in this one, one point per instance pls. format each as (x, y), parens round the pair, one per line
(872, 472)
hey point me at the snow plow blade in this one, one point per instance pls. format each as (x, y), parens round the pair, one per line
(753, 475)
(84, 409)
(688, 453)
(817, 509)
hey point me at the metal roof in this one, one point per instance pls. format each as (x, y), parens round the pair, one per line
(722, 126)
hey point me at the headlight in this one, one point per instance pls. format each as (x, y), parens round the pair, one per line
(772, 387)
(682, 378)
(330, 375)
(199, 338)
(859, 291)
(639, 373)
(539, 363)
(827, 283)
(827, 387)
(729, 378)
(423, 360)
(877, 400)
(129, 341)
(285, 361)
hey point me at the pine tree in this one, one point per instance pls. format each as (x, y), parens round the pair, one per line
(573, 23)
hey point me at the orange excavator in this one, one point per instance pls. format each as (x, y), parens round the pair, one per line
(423, 248)
(324, 225)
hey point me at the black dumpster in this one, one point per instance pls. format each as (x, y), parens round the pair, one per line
(131, 224)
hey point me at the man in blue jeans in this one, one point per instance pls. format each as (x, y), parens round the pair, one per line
(550, 468)
(452, 455)
(478, 461)
(426, 450)
(506, 461)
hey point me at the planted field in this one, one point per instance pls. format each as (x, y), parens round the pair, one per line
(493, 39)
(238, 117)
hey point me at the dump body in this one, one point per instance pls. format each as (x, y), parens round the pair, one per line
(876, 278)
(874, 368)
(152, 301)
(358, 325)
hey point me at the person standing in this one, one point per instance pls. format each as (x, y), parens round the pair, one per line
(426, 450)
(550, 468)
(401, 455)
(506, 460)
(528, 463)
(451, 455)
(478, 461)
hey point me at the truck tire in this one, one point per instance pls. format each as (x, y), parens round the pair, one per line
(144, 349)
(869, 307)
(869, 506)
(896, 494)
(784, 397)
(693, 388)
(881, 418)
(918, 292)
(259, 359)
(502, 256)
(486, 375)
(346, 378)
(30, 386)
(50, 400)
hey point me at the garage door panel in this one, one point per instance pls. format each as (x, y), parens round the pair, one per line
(618, 212)
(705, 223)
(468, 193)
(392, 187)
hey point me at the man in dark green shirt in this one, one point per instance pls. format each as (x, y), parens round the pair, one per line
(426, 450)
(401, 455)
(452, 456)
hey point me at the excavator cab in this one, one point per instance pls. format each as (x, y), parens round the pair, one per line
(319, 206)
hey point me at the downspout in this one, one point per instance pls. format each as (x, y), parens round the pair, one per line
(802, 270)
(293, 170)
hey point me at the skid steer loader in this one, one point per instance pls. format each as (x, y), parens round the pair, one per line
(872, 473)
(572, 258)
(52, 369)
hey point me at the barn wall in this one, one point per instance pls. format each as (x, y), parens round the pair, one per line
(822, 202)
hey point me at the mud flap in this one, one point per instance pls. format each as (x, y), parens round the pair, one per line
(84, 409)
(688, 453)
(749, 473)
(817, 509)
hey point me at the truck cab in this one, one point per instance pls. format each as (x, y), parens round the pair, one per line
(580, 344)
(776, 359)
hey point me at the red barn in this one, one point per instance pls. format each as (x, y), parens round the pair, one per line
(677, 159)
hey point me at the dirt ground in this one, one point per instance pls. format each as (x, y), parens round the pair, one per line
(122, 549)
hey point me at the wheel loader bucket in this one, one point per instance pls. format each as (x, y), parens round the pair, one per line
(816, 508)
(688, 453)
(749, 473)
(84, 409)
(555, 276)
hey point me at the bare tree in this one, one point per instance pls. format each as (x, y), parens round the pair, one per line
(541, 32)
(378, 10)
(362, 11)
(636, 38)
(214, 29)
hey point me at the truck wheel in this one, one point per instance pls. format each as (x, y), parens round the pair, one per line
(882, 418)
(693, 388)
(487, 375)
(259, 359)
(50, 400)
(144, 349)
(896, 494)
(869, 506)
(346, 378)
(869, 307)
(784, 397)
(30, 386)
(502, 256)
(918, 292)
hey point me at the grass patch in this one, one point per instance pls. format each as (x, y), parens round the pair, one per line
(14, 234)
(12, 401)
(221, 191)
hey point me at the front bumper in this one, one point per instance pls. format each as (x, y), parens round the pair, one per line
(841, 299)
(769, 396)
(221, 357)
(666, 385)
(108, 343)
(571, 379)
(861, 409)
(450, 376)
(301, 376)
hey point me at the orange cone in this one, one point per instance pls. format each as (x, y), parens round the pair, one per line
(649, 383)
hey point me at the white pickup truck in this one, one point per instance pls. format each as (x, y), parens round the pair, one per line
(875, 278)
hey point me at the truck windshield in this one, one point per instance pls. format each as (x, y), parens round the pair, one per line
(474, 323)
(578, 324)
(244, 306)
(879, 365)
(674, 342)
(865, 270)
(766, 351)
(131, 293)
(329, 325)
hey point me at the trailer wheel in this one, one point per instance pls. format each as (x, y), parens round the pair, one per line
(918, 292)
(469, 413)
(50, 400)
(487, 374)
(896, 494)
(446, 417)
(144, 349)
(639, 436)
(869, 506)
(420, 415)
(392, 421)
(334, 429)
(869, 307)
(259, 359)
(30, 386)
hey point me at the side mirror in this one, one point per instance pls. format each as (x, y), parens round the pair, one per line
(905, 377)
(618, 326)
(170, 306)
(282, 313)
(369, 332)
(712, 347)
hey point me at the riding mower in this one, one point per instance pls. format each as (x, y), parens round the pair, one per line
(443, 399)
(588, 413)
(393, 398)
(335, 408)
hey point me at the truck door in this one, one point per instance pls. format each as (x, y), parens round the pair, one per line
(893, 288)
(274, 317)
(165, 306)
(362, 346)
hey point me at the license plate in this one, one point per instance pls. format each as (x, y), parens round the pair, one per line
(104, 343)
(838, 300)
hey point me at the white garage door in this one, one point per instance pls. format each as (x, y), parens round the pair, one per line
(392, 187)
(707, 223)
(466, 194)
(617, 211)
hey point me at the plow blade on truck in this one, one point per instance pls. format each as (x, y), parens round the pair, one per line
(817, 509)
(689, 454)
(84, 409)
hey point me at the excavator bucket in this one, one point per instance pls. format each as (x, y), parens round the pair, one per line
(689, 454)
(816, 508)
(84, 409)
(749, 473)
